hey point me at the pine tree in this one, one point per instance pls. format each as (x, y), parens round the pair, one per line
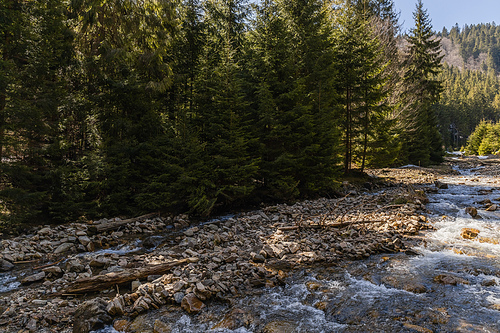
(361, 82)
(423, 143)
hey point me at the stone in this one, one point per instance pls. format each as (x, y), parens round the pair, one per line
(178, 297)
(233, 320)
(33, 278)
(75, 265)
(5, 265)
(178, 285)
(489, 283)
(116, 306)
(53, 271)
(450, 279)
(32, 325)
(469, 233)
(91, 315)
(257, 258)
(121, 325)
(44, 231)
(418, 328)
(135, 285)
(161, 327)
(492, 208)
(63, 248)
(472, 211)
(39, 302)
(90, 247)
(281, 326)
(192, 304)
(84, 240)
(440, 185)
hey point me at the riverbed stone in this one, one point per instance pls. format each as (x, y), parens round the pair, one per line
(449, 279)
(191, 303)
(33, 278)
(5, 265)
(280, 326)
(65, 247)
(472, 211)
(469, 233)
(91, 315)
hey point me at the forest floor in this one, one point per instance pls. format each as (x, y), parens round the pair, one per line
(79, 277)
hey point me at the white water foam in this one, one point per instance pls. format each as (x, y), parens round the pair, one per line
(8, 283)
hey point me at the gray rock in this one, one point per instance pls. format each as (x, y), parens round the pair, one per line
(63, 248)
(178, 297)
(53, 270)
(33, 278)
(135, 285)
(84, 240)
(116, 306)
(75, 265)
(5, 265)
(91, 315)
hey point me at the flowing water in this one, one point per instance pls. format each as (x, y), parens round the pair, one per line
(452, 285)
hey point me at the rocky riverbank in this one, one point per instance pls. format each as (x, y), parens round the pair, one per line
(218, 261)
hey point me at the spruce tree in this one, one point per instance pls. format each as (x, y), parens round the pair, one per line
(423, 142)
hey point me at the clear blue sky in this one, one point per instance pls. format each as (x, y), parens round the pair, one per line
(445, 13)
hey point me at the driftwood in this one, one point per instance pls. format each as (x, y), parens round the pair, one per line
(101, 282)
(48, 265)
(333, 225)
(117, 224)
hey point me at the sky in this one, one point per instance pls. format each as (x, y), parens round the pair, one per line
(445, 13)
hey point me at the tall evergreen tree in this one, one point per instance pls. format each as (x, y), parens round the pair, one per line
(423, 143)
(361, 82)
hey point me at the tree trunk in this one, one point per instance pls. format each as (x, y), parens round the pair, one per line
(101, 282)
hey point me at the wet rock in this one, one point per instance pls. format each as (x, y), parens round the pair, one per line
(121, 325)
(418, 328)
(192, 304)
(91, 315)
(450, 279)
(440, 185)
(472, 211)
(469, 233)
(492, 208)
(489, 283)
(161, 327)
(5, 265)
(281, 326)
(33, 278)
(233, 320)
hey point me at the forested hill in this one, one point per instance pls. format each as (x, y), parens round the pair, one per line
(470, 78)
(122, 107)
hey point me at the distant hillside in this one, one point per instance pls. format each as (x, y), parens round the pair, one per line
(470, 80)
(474, 47)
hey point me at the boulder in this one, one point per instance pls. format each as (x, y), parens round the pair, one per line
(472, 211)
(91, 315)
(469, 233)
(33, 278)
(5, 265)
(63, 248)
(450, 279)
(492, 208)
(192, 304)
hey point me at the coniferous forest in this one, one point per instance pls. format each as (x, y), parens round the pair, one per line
(123, 107)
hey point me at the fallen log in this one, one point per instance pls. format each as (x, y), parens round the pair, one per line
(105, 281)
(117, 224)
(321, 226)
